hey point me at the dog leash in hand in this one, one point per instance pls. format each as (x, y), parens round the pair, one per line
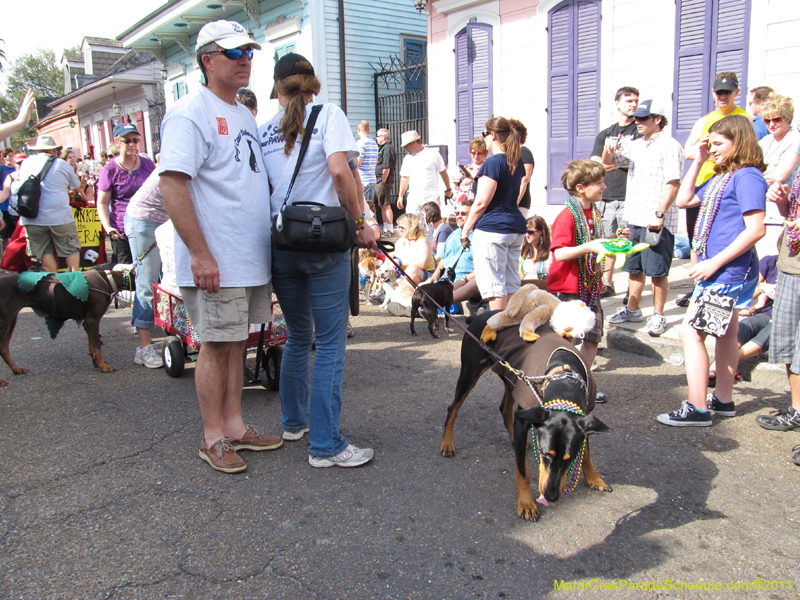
(532, 381)
(139, 260)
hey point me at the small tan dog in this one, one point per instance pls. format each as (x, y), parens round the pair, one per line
(395, 286)
(531, 307)
(368, 268)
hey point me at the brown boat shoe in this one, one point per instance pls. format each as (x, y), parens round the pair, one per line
(254, 439)
(221, 456)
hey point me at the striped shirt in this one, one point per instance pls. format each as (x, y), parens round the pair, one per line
(369, 157)
(652, 164)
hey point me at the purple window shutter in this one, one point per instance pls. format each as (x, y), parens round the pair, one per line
(729, 53)
(693, 46)
(573, 85)
(711, 36)
(473, 85)
(587, 78)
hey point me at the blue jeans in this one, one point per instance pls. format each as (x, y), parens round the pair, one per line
(141, 234)
(313, 291)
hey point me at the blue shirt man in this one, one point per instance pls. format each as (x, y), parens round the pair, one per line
(368, 158)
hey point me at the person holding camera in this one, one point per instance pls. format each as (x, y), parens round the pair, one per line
(655, 171)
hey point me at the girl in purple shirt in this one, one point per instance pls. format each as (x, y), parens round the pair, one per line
(731, 221)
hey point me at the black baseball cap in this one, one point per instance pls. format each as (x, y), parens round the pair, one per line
(726, 84)
(287, 65)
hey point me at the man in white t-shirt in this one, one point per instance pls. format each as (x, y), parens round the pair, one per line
(53, 230)
(216, 191)
(418, 175)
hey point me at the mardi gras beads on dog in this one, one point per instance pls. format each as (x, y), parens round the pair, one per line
(574, 471)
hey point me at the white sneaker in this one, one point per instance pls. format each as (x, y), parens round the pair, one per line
(657, 324)
(293, 436)
(349, 457)
(148, 357)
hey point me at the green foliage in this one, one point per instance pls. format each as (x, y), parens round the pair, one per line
(38, 71)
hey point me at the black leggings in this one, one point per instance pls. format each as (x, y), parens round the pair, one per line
(691, 220)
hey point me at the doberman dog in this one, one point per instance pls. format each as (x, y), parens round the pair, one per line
(442, 292)
(50, 299)
(561, 422)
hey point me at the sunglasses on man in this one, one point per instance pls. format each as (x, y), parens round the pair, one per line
(235, 53)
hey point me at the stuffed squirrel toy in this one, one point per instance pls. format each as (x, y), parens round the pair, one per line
(531, 307)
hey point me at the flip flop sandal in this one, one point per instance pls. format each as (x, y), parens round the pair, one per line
(712, 378)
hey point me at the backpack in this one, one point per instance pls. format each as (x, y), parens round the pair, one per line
(30, 191)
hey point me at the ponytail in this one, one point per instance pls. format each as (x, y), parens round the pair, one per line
(509, 140)
(299, 88)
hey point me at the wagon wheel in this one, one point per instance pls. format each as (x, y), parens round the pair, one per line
(174, 356)
(272, 366)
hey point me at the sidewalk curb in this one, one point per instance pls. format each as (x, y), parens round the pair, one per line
(758, 372)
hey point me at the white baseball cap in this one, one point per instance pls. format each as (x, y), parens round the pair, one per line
(227, 34)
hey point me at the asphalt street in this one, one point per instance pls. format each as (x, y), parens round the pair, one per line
(103, 495)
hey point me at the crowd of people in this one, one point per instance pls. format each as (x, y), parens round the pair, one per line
(635, 187)
(471, 227)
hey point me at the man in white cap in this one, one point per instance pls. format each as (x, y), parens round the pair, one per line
(654, 178)
(216, 191)
(52, 231)
(418, 175)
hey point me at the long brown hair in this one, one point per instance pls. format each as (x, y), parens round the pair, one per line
(299, 87)
(745, 151)
(540, 252)
(509, 140)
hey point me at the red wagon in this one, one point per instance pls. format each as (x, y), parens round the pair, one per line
(183, 342)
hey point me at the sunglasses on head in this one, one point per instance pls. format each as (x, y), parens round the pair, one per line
(235, 53)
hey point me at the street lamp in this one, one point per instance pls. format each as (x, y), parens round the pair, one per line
(164, 73)
(420, 5)
(115, 107)
(72, 123)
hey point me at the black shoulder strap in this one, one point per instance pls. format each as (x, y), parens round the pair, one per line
(308, 131)
(48, 163)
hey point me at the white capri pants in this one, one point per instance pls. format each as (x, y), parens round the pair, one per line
(496, 259)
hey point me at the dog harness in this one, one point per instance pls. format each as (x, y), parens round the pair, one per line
(574, 471)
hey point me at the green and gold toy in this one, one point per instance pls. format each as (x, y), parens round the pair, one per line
(621, 248)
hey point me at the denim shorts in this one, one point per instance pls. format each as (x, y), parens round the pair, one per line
(654, 261)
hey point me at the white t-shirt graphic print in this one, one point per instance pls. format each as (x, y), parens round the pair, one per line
(216, 144)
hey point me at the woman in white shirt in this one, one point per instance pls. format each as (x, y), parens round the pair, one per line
(535, 260)
(313, 287)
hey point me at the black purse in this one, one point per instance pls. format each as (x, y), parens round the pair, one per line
(713, 312)
(312, 226)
